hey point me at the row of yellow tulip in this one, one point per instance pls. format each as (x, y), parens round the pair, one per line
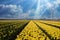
(9, 29)
(32, 32)
(57, 23)
(54, 32)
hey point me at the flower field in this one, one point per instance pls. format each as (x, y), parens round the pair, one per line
(29, 30)
(9, 29)
(52, 31)
(32, 32)
(57, 23)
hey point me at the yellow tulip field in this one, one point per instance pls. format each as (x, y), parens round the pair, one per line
(29, 30)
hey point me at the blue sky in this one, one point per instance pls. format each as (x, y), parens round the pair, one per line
(29, 9)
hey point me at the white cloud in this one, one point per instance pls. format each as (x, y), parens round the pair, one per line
(58, 1)
(49, 5)
(14, 12)
(10, 11)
